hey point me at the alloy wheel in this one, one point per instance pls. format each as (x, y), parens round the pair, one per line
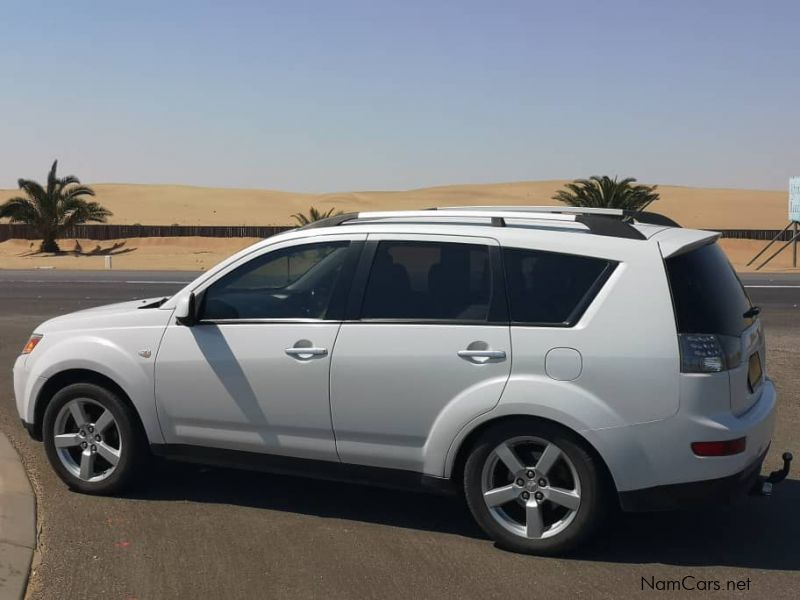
(531, 487)
(87, 439)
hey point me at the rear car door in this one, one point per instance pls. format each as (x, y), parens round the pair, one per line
(426, 338)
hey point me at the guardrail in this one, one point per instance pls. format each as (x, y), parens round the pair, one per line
(113, 232)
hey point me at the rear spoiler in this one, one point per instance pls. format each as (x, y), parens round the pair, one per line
(674, 242)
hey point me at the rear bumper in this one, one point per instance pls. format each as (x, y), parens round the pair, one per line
(659, 455)
(695, 493)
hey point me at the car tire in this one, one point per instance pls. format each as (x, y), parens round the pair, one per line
(553, 499)
(106, 452)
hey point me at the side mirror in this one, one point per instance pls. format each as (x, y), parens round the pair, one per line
(186, 311)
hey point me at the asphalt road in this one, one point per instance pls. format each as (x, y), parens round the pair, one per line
(194, 532)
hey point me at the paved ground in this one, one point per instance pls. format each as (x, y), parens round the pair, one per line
(207, 533)
(17, 523)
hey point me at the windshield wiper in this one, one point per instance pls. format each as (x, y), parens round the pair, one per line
(753, 312)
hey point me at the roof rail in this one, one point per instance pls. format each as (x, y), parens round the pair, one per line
(331, 221)
(459, 213)
(650, 218)
(598, 224)
(645, 217)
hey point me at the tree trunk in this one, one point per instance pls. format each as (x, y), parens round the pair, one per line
(49, 244)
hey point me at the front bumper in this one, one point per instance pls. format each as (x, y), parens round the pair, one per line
(20, 378)
(24, 390)
(695, 493)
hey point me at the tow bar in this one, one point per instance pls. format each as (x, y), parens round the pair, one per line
(763, 486)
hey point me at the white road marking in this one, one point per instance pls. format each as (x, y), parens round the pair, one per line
(132, 282)
(777, 287)
(175, 282)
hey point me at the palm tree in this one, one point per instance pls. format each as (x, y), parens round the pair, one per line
(53, 209)
(604, 192)
(313, 215)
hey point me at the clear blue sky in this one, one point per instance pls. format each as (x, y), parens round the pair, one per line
(371, 94)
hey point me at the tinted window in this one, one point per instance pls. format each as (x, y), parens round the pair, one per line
(708, 296)
(291, 283)
(550, 288)
(429, 280)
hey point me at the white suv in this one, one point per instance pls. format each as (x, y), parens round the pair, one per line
(549, 362)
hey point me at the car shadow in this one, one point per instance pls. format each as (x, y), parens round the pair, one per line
(755, 533)
(321, 498)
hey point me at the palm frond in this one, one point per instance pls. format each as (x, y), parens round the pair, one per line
(52, 180)
(77, 191)
(313, 215)
(19, 210)
(605, 192)
(301, 219)
(84, 212)
(33, 189)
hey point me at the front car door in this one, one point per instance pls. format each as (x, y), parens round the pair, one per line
(425, 348)
(252, 374)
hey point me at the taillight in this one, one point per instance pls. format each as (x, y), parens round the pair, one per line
(721, 448)
(709, 353)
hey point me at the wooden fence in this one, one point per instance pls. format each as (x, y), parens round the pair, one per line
(756, 234)
(113, 232)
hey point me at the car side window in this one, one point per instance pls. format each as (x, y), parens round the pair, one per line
(549, 288)
(291, 283)
(429, 281)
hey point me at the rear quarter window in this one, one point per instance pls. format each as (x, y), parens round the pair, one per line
(706, 292)
(550, 288)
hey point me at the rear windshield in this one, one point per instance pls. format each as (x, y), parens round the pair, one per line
(707, 293)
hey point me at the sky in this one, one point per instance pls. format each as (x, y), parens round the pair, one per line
(324, 96)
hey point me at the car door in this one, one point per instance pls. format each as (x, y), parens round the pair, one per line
(253, 373)
(426, 350)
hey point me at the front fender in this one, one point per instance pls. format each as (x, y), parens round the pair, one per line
(130, 371)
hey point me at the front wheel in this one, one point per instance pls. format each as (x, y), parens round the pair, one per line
(93, 440)
(533, 488)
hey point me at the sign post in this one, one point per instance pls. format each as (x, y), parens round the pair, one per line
(794, 225)
(794, 212)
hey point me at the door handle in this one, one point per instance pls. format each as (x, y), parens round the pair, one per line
(482, 353)
(306, 352)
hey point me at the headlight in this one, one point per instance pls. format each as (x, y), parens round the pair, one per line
(32, 343)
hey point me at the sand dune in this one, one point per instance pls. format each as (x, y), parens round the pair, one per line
(187, 205)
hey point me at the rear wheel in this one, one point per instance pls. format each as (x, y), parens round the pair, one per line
(92, 439)
(533, 488)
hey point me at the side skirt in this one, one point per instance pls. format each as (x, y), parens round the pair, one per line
(303, 467)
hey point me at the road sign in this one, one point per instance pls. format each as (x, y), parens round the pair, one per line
(794, 199)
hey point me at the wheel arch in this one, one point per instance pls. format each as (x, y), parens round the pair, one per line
(62, 379)
(469, 441)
